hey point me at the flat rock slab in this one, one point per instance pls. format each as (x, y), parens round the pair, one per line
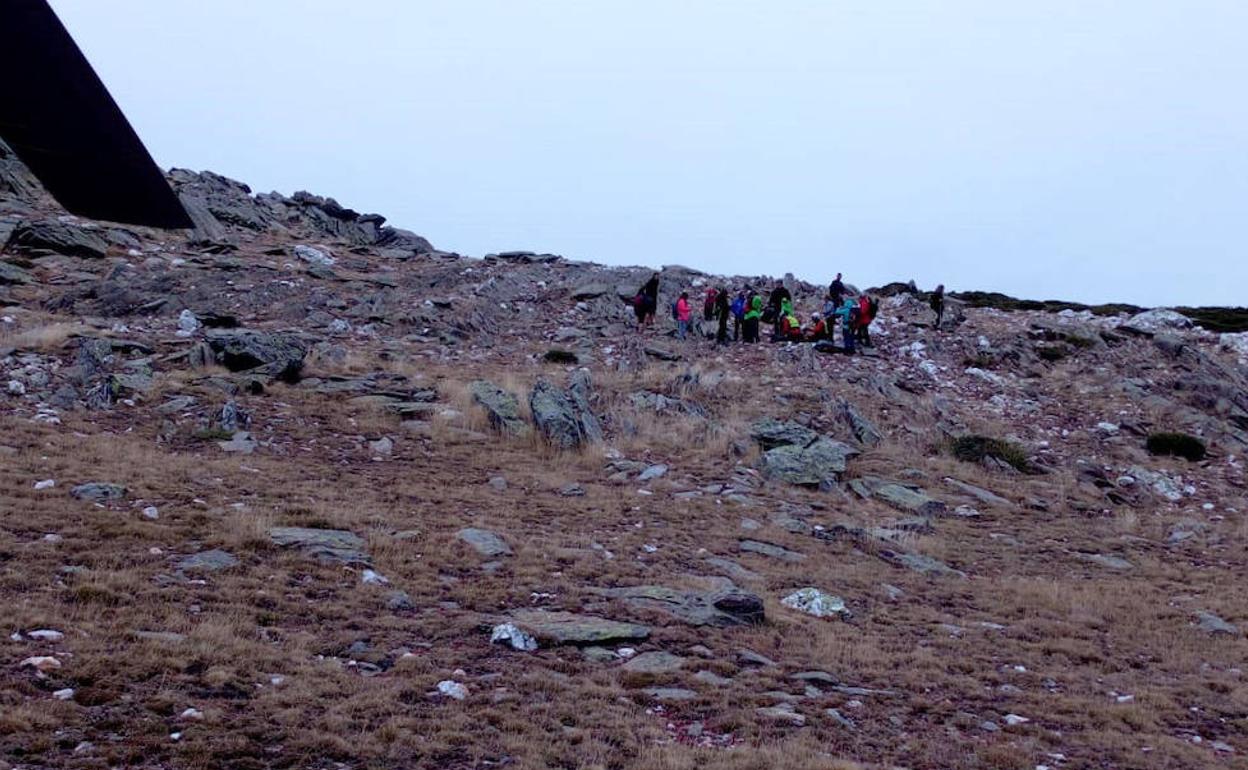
(208, 561)
(329, 545)
(552, 629)
(1105, 560)
(654, 663)
(670, 693)
(771, 433)
(1212, 624)
(771, 550)
(485, 542)
(98, 492)
(917, 562)
(979, 493)
(731, 569)
(720, 606)
(903, 497)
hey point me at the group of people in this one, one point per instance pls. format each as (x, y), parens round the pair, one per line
(747, 312)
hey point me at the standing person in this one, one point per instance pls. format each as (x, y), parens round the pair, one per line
(738, 314)
(722, 311)
(683, 314)
(848, 313)
(865, 317)
(776, 307)
(836, 292)
(649, 304)
(830, 309)
(708, 303)
(867, 310)
(753, 314)
(937, 301)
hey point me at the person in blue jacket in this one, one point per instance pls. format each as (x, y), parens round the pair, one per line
(848, 313)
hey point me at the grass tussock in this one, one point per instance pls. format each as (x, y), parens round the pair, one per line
(977, 449)
(1176, 445)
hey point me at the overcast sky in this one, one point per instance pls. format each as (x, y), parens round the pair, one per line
(1090, 150)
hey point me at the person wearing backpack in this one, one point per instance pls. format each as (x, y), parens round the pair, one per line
(646, 303)
(682, 313)
(738, 314)
(848, 313)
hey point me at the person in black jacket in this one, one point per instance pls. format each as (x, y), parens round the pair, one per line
(937, 301)
(837, 291)
(648, 300)
(723, 311)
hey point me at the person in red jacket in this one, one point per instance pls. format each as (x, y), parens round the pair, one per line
(683, 315)
(708, 304)
(818, 329)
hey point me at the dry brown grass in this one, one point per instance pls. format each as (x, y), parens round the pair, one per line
(1079, 631)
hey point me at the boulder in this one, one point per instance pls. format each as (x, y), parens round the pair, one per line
(554, 414)
(581, 392)
(12, 274)
(485, 542)
(1158, 319)
(328, 545)
(58, 237)
(863, 430)
(590, 291)
(272, 354)
(551, 628)
(819, 465)
(1212, 624)
(771, 433)
(502, 408)
(208, 561)
(720, 604)
(654, 663)
(98, 491)
(814, 601)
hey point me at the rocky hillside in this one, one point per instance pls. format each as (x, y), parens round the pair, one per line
(297, 489)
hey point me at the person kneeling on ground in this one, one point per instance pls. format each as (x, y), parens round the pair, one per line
(818, 329)
(790, 329)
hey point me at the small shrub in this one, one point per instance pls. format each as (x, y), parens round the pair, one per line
(974, 449)
(213, 434)
(556, 356)
(1176, 445)
(1051, 353)
(981, 360)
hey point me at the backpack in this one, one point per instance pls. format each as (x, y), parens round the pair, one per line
(738, 307)
(855, 315)
(674, 314)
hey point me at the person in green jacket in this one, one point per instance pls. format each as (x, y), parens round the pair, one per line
(753, 314)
